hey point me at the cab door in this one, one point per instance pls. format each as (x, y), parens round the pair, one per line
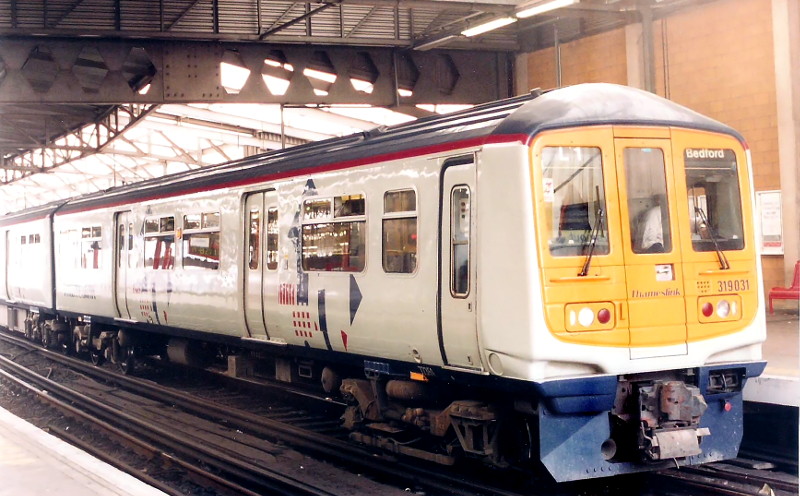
(651, 248)
(457, 286)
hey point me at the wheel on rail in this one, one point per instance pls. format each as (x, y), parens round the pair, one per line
(126, 359)
(97, 357)
(47, 336)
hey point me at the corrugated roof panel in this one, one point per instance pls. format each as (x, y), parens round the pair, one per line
(100, 14)
(140, 15)
(189, 16)
(29, 14)
(239, 17)
(274, 14)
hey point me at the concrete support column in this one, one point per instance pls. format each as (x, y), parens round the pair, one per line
(634, 53)
(786, 41)
(639, 50)
(521, 84)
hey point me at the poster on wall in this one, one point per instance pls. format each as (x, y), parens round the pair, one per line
(769, 209)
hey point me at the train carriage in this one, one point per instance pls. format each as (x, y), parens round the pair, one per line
(567, 279)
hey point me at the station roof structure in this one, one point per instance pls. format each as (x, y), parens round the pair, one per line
(99, 93)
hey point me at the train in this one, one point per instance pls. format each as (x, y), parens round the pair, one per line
(565, 281)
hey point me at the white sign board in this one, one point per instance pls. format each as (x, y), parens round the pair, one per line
(768, 204)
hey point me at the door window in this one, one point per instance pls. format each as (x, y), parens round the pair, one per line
(272, 238)
(648, 209)
(254, 237)
(459, 240)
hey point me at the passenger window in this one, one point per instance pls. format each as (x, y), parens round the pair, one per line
(400, 231)
(272, 238)
(334, 239)
(200, 241)
(459, 240)
(715, 205)
(159, 241)
(91, 240)
(648, 209)
(574, 196)
(255, 237)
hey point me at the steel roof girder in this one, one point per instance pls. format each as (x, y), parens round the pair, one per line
(189, 72)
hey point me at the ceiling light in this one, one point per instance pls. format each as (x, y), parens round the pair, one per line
(488, 26)
(542, 7)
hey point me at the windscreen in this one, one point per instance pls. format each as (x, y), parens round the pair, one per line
(715, 205)
(572, 179)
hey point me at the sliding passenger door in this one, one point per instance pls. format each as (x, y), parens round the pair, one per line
(458, 336)
(123, 227)
(260, 261)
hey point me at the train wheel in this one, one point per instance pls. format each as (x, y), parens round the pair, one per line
(126, 360)
(518, 441)
(96, 356)
(47, 336)
(64, 343)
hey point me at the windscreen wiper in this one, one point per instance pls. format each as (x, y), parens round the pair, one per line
(723, 261)
(598, 226)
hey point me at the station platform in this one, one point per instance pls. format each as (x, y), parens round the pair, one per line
(35, 463)
(780, 382)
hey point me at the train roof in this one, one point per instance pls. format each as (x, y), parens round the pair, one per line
(519, 118)
(594, 104)
(29, 214)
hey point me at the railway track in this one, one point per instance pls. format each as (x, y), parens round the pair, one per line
(237, 443)
(217, 437)
(729, 480)
(215, 459)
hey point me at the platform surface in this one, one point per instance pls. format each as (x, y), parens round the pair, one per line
(35, 463)
(780, 382)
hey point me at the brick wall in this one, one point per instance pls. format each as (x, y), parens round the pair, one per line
(580, 63)
(715, 58)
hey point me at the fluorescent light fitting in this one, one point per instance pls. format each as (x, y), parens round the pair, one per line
(542, 7)
(488, 26)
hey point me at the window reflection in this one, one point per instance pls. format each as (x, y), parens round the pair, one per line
(330, 244)
(648, 209)
(715, 205)
(400, 231)
(573, 193)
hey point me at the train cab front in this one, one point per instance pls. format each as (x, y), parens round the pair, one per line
(650, 278)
